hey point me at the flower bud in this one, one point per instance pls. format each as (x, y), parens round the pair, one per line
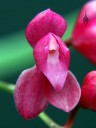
(84, 32)
(88, 92)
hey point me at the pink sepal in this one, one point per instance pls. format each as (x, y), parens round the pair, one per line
(29, 94)
(45, 22)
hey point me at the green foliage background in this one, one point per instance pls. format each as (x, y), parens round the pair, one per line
(16, 55)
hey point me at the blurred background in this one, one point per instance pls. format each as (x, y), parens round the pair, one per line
(16, 55)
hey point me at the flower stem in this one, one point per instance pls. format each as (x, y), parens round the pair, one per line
(48, 121)
(9, 88)
(71, 119)
(68, 42)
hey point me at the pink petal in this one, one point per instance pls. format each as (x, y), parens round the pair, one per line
(52, 58)
(29, 93)
(68, 97)
(45, 22)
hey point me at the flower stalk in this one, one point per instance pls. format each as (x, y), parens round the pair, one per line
(9, 88)
(48, 121)
(71, 119)
(68, 42)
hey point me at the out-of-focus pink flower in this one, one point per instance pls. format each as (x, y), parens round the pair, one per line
(88, 91)
(84, 33)
(49, 81)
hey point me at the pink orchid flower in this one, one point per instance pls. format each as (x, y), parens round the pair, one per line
(49, 81)
(84, 32)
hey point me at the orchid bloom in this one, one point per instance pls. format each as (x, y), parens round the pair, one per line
(49, 81)
(84, 32)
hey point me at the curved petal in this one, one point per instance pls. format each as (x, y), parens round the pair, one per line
(45, 22)
(68, 97)
(29, 93)
(52, 58)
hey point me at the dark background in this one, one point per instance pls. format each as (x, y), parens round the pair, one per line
(14, 17)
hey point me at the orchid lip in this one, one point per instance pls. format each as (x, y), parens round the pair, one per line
(52, 58)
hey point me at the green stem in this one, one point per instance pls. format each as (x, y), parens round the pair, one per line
(48, 121)
(9, 88)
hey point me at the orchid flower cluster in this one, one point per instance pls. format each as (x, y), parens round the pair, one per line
(50, 81)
